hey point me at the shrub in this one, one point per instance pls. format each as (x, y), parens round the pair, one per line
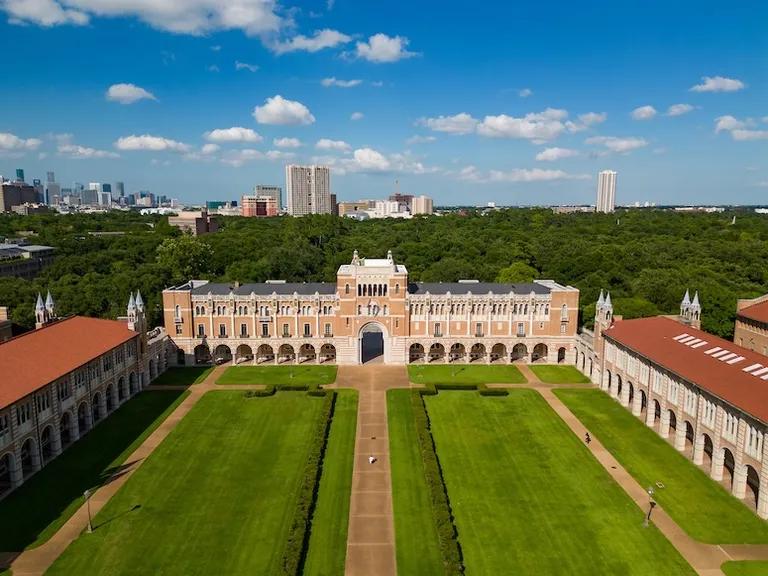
(269, 390)
(485, 391)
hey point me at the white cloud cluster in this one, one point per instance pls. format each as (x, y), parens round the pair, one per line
(644, 113)
(370, 161)
(419, 139)
(332, 81)
(618, 144)
(337, 145)
(718, 84)
(128, 93)
(149, 142)
(679, 109)
(381, 48)
(740, 130)
(585, 121)
(320, 40)
(472, 174)
(461, 123)
(254, 17)
(525, 92)
(356, 116)
(280, 111)
(11, 142)
(76, 152)
(245, 66)
(536, 126)
(234, 134)
(553, 154)
(286, 142)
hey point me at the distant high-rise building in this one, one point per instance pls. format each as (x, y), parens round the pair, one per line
(308, 189)
(606, 191)
(258, 206)
(50, 177)
(119, 189)
(20, 175)
(421, 205)
(334, 205)
(16, 194)
(39, 190)
(275, 192)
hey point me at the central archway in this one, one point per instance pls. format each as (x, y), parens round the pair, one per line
(372, 343)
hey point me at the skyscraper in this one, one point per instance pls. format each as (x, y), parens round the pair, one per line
(308, 189)
(275, 192)
(119, 189)
(19, 174)
(421, 205)
(606, 191)
(51, 177)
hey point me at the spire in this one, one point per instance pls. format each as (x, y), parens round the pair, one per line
(355, 258)
(601, 299)
(39, 305)
(131, 303)
(49, 304)
(695, 303)
(389, 256)
(139, 301)
(686, 298)
(608, 300)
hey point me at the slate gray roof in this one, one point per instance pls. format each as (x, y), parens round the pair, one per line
(263, 289)
(476, 288)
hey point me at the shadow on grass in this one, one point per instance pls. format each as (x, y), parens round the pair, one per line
(182, 376)
(44, 503)
(117, 516)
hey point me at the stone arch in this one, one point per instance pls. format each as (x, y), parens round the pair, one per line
(307, 353)
(222, 354)
(416, 353)
(631, 392)
(122, 389)
(709, 448)
(66, 429)
(265, 353)
(561, 355)
(202, 354)
(656, 412)
(477, 352)
(690, 438)
(583, 362)
(30, 457)
(152, 369)
(436, 353)
(591, 367)
(372, 345)
(609, 382)
(457, 353)
(285, 354)
(328, 353)
(619, 386)
(110, 396)
(83, 419)
(672, 420)
(729, 465)
(753, 486)
(181, 357)
(499, 353)
(132, 384)
(243, 353)
(539, 353)
(519, 352)
(47, 444)
(643, 401)
(96, 408)
(7, 473)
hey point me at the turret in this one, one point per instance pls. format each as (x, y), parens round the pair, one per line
(690, 310)
(41, 314)
(50, 306)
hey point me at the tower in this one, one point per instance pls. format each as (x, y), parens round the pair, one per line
(603, 320)
(137, 320)
(690, 310)
(45, 313)
(606, 191)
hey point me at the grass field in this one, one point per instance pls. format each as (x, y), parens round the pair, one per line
(182, 376)
(745, 568)
(559, 374)
(216, 497)
(42, 504)
(328, 539)
(279, 375)
(529, 498)
(649, 458)
(465, 374)
(418, 549)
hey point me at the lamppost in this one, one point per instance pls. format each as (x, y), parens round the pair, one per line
(651, 506)
(87, 495)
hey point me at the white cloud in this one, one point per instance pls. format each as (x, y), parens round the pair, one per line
(741, 130)
(275, 155)
(553, 154)
(357, 116)
(278, 110)
(718, 84)
(77, 152)
(234, 134)
(245, 66)
(381, 48)
(198, 17)
(679, 109)
(461, 123)
(370, 160)
(328, 82)
(472, 174)
(418, 139)
(539, 127)
(148, 142)
(617, 144)
(239, 157)
(326, 144)
(591, 118)
(286, 142)
(525, 92)
(11, 142)
(210, 148)
(644, 113)
(321, 40)
(728, 123)
(743, 135)
(128, 93)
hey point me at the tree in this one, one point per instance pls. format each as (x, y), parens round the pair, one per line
(517, 273)
(184, 258)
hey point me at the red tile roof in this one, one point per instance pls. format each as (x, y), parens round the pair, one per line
(730, 372)
(35, 359)
(757, 312)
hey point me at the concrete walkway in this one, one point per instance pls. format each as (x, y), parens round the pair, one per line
(371, 533)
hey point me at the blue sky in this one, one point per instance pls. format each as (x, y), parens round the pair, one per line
(512, 102)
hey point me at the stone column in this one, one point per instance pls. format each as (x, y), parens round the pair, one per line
(650, 412)
(55, 441)
(680, 435)
(717, 453)
(698, 449)
(739, 469)
(17, 476)
(664, 424)
(624, 393)
(637, 403)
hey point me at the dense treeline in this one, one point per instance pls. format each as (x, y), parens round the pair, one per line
(646, 259)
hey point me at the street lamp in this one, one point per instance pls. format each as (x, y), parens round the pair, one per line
(87, 495)
(651, 506)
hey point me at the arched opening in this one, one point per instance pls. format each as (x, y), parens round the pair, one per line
(519, 353)
(689, 439)
(415, 353)
(656, 413)
(202, 354)
(576, 359)
(264, 353)
(457, 353)
(708, 453)
(243, 353)
(672, 421)
(82, 418)
(29, 457)
(285, 354)
(307, 353)
(132, 387)
(539, 353)
(729, 465)
(152, 369)
(328, 353)
(477, 352)
(753, 487)
(643, 402)
(499, 353)
(65, 429)
(6, 473)
(583, 362)
(181, 357)
(560, 355)
(122, 389)
(46, 444)
(222, 354)
(96, 407)
(610, 381)
(631, 393)
(619, 386)
(591, 367)
(110, 395)
(371, 343)
(437, 353)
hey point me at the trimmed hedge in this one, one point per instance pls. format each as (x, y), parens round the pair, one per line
(297, 543)
(483, 390)
(270, 389)
(450, 549)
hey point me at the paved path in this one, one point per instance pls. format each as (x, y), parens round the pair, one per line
(371, 533)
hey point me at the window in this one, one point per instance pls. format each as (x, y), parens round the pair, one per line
(200, 331)
(64, 390)
(4, 427)
(521, 328)
(285, 331)
(43, 401)
(107, 362)
(177, 312)
(754, 443)
(346, 289)
(222, 331)
(564, 312)
(243, 330)
(179, 329)
(306, 331)
(438, 332)
(23, 413)
(347, 321)
(479, 329)
(730, 427)
(119, 355)
(80, 378)
(563, 328)
(397, 288)
(265, 329)
(327, 330)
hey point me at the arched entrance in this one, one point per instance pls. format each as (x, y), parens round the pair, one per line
(519, 353)
(202, 354)
(560, 355)
(457, 353)
(498, 353)
(415, 353)
(477, 353)
(222, 354)
(285, 354)
(436, 353)
(307, 353)
(264, 353)
(672, 421)
(729, 465)
(631, 392)
(327, 353)
(6, 473)
(371, 344)
(65, 429)
(539, 353)
(708, 453)
(689, 438)
(243, 353)
(29, 458)
(619, 386)
(610, 381)
(46, 443)
(753, 487)
(643, 402)
(656, 412)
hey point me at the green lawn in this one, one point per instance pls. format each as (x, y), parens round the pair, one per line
(279, 375)
(529, 498)
(182, 376)
(328, 539)
(650, 459)
(745, 568)
(216, 497)
(465, 374)
(559, 374)
(41, 505)
(417, 545)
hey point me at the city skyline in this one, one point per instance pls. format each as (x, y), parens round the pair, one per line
(526, 110)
